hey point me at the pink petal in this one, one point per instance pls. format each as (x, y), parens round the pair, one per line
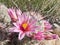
(32, 21)
(18, 12)
(12, 14)
(47, 25)
(34, 27)
(39, 36)
(28, 34)
(16, 24)
(54, 36)
(25, 16)
(21, 35)
(14, 29)
(20, 19)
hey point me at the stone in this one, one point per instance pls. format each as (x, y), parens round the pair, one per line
(4, 14)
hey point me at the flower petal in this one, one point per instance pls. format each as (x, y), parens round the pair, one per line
(18, 12)
(25, 16)
(21, 35)
(12, 14)
(16, 24)
(14, 29)
(39, 36)
(34, 27)
(20, 19)
(54, 36)
(32, 21)
(28, 34)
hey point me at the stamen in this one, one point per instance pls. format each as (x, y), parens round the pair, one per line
(24, 25)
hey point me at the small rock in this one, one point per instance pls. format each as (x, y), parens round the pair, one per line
(4, 14)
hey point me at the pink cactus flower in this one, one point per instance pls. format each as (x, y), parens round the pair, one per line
(43, 36)
(39, 36)
(25, 25)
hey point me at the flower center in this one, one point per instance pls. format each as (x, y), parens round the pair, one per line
(24, 25)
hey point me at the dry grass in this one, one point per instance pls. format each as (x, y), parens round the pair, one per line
(46, 7)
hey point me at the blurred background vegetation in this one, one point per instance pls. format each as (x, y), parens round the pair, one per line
(49, 8)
